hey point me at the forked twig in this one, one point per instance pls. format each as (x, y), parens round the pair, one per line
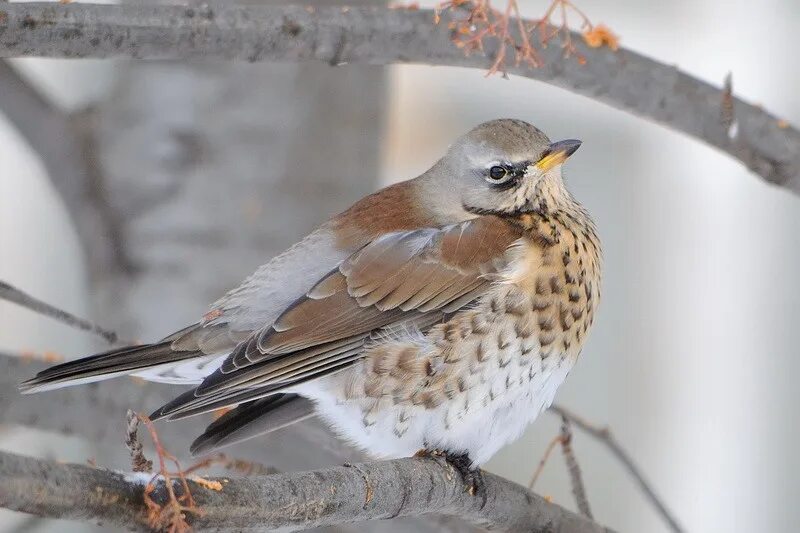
(172, 514)
(603, 434)
(564, 438)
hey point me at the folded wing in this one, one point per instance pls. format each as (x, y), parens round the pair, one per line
(406, 279)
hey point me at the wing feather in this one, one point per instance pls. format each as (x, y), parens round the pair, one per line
(401, 279)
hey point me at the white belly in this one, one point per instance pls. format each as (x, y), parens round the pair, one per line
(478, 422)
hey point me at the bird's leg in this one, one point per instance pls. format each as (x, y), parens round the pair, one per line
(473, 477)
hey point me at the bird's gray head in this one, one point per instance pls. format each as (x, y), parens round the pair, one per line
(504, 167)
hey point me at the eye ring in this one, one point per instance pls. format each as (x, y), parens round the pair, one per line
(498, 173)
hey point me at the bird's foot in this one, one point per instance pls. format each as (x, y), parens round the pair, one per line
(473, 477)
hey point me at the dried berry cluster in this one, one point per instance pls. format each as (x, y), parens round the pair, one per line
(477, 20)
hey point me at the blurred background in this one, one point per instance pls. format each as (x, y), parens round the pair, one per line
(209, 169)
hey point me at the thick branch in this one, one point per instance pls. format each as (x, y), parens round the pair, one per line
(377, 35)
(345, 494)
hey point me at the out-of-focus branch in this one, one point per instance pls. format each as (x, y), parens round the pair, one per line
(575, 476)
(603, 434)
(14, 295)
(291, 502)
(564, 438)
(543, 461)
(377, 35)
(58, 139)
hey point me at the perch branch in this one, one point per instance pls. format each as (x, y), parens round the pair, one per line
(377, 35)
(300, 500)
(140, 463)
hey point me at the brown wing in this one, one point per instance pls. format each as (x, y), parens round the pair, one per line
(410, 278)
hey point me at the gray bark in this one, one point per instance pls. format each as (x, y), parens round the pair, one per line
(377, 35)
(288, 502)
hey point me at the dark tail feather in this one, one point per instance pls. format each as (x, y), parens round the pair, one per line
(105, 365)
(253, 419)
(188, 404)
(174, 405)
(194, 402)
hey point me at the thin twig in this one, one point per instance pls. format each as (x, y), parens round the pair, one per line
(174, 513)
(547, 452)
(575, 477)
(14, 295)
(603, 434)
(139, 463)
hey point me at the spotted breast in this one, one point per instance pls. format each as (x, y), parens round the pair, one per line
(473, 382)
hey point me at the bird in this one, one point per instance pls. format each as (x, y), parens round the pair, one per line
(436, 316)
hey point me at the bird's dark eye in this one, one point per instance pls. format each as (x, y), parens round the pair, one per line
(497, 173)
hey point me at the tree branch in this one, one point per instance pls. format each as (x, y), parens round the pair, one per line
(345, 494)
(604, 435)
(96, 412)
(23, 299)
(378, 35)
(57, 138)
(574, 470)
(140, 463)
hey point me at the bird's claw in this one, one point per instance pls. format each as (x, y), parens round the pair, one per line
(473, 477)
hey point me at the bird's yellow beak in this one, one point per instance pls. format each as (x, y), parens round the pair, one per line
(557, 153)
